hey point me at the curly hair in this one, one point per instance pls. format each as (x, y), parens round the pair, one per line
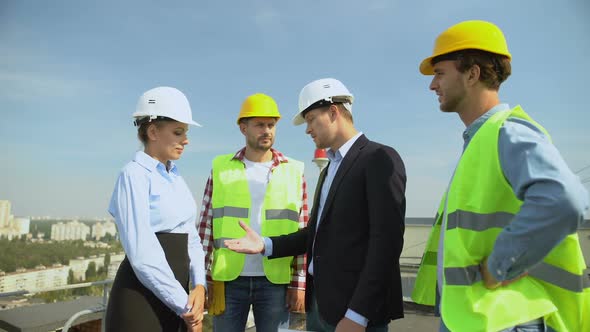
(494, 68)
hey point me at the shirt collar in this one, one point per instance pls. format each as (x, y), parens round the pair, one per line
(474, 127)
(343, 150)
(152, 164)
(277, 157)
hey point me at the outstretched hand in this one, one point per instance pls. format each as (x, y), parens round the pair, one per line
(251, 243)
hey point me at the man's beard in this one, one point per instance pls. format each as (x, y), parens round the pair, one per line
(257, 145)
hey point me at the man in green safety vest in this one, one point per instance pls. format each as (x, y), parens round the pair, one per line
(503, 254)
(264, 189)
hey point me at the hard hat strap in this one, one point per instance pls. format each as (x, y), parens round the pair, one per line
(327, 102)
(341, 99)
(317, 104)
(139, 121)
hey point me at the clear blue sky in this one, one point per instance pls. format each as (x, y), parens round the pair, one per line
(71, 73)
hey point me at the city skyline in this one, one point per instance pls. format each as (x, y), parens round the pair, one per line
(71, 74)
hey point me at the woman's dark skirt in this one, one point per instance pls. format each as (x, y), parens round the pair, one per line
(133, 307)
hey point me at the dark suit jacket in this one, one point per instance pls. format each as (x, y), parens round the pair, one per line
(359, 239)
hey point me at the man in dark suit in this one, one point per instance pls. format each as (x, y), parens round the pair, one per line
(355, 235)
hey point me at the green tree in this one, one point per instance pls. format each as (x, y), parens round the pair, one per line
(71, 278)
(107, 238)
(16, 253)
(91, 271)
(107, 262)
(55, 296)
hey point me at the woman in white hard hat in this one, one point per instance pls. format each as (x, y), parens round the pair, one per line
(155, 214)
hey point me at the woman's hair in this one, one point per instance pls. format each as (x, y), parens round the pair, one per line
(494, 68)
(144, 124)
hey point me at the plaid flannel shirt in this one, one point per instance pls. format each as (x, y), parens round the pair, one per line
(299, 265)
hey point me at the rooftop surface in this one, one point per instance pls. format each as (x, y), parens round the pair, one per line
(52, 316)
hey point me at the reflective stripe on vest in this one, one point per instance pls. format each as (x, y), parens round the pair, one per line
(230, 211)
(478, 222)
(471, 274)
(220, 243)
(274, 214)
(467, 276)
(271, 214)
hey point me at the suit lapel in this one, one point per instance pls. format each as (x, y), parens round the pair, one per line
(345, 165)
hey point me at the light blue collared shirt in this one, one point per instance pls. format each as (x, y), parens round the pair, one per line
(149, 199)
(554, 200)
(335, 161)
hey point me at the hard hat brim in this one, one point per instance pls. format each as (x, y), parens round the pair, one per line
(189, 122)
(195, 124)
(138, 115)
(258, 116)
(298, 119)
(426, 66)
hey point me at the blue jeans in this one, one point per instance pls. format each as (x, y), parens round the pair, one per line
(268, 302)
(314, 322)
(527, 327)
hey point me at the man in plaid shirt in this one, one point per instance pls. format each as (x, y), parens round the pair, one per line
(267, 173)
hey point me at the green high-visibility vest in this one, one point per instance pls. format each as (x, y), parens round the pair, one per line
(479, 204)
(231, 203)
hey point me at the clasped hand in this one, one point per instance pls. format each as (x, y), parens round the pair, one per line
(196, 302)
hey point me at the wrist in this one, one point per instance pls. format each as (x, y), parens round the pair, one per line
(356, 318)
(200, 288)
(266, 247)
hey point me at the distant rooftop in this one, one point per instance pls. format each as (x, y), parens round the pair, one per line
(52, 316)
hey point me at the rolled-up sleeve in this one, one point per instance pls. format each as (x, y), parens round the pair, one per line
(554, 200)
(130, 206)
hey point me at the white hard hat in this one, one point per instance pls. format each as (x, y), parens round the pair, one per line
(320, 93)
(166, 102)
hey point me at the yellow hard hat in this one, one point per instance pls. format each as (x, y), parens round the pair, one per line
(479, 35)
(259, 105)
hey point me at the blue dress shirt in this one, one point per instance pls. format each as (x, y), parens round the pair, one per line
(149, 199)
(335, 158)
(554, 200)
